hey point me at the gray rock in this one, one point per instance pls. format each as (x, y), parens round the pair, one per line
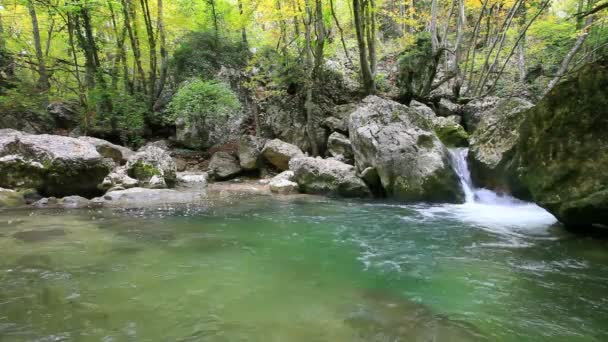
(279, 153)
(398, 141)
(192, 179)
(64, 114)
(142, 197)
(339, 147)
(493, 143)
(423, 109)
(223, 166)
(119, 178)
(119, 154)
(250, 151)
(327, 176)
(74, 202)
(282, 183)
(446, 107)
(54, 165)
(338, 121)
(450, 132)
(149, 162)
(473, 111)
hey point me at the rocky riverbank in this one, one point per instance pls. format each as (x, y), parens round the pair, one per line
(375, 148)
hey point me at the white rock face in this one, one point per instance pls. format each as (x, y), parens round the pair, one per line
(223, 166)
(282, 183)
(279, 153)
(339, 147)
(327, 176)
(119, 154)
(399, 143)
(250, 151)
(192, 180)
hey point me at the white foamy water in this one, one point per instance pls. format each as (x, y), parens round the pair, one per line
(485, 208)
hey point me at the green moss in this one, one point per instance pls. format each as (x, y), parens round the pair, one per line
(11, 199)
(452, 135)
(143, 171)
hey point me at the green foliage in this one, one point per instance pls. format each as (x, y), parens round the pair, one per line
(202, 54)
(125, 115)
(277, 72)
(200, 101)
(23, 108)
(416, 67)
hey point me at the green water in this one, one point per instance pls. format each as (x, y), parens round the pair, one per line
(264, 269)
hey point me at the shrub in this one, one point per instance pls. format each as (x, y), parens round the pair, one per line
(201, 101)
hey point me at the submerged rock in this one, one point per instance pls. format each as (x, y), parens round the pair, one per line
(493, 144)
(39, 235)
(399, 143)
(54, 165)
(327, 176)
(224, 165)
(279, 153)
(142, 197)
(153, 167)
(562, 152)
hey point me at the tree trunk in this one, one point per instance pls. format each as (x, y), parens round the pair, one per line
(164, 56)
(43, 78)
(243, 29)
(521, 46)
(367, 78)
(145, 9)
(310, 67)
(131, 25)
(568, 58)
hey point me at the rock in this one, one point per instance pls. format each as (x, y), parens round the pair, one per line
(54, 165)
(162, 144)
(493, 143)
(142, 197)
(119, 178)
(398, 141)
(203, 135)
(339, 147)
(65, 114)
(192, 180)
(250, 151)
(119, 154)
(39, 235)
(338, 121)
(423, 109)
(149, 162)
(10, 199)
(223, 166)
(473, 111)
(74, 202)
(328, 177)
(450, 132)
(446, 107)
(282, 183)
(279, 153)
(562, 152)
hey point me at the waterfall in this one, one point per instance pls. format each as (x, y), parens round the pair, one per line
(472, 194)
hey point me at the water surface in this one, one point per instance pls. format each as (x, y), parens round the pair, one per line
(300, 269)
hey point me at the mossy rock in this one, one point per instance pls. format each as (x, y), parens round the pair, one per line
(11, 199)
(143, 171)
(562, 153)
(452, 135)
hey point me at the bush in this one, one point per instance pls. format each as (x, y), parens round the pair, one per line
(201, 101)
(22, 108)
(201, 54)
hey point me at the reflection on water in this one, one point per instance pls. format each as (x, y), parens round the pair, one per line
(306, 269)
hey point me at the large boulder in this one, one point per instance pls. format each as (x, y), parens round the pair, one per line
(327, 177)
(119, 154)
(65, 114)
(493, 143)
(446, 107)
(475, 110)
(10, 199)
(562, 152)
(279, 153)
(224, 165)
(340, 148)
(250, 151)
(153, 167)
(53, 165)
(399, 143)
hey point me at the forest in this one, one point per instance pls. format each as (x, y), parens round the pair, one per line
(130, 68)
